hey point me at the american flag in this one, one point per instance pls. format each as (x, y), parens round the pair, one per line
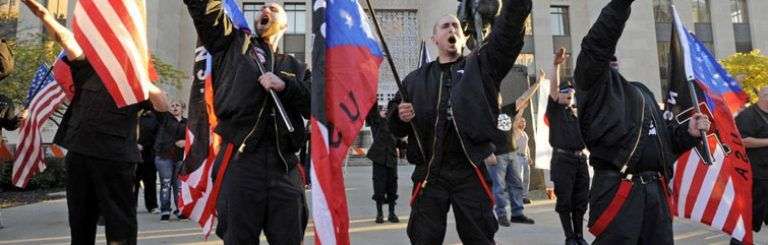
(719, 195)
(113, 36)
(45, 97)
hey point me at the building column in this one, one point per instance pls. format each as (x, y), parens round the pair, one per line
(542, 37)
(722, 28)
(29, 26)
(757, 24)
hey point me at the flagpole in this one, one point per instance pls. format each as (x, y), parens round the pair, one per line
(695, 100)
(278, 103)
(401, 89)
(690, 79)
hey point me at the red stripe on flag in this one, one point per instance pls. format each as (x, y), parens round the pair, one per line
(682, 163)
(693, 192)
(97, 64)
(120, 52)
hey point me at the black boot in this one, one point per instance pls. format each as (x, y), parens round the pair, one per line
(578, 228)
(565, 220)
(379, 213)
(392, 216)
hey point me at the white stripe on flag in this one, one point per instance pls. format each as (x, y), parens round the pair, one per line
(107, 56)
(30, 152)
(739, 231)
(324, 226)
(710, 179)
(132, 51)
(685, 184)
(724, 208)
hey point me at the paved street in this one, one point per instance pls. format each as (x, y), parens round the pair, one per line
(46, 223)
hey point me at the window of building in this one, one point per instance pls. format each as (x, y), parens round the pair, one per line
(661, 11)
(701, 12)
(528, 26)
(293, 42)
(560, 21)
(663, 17)
(741, 28)
(739, 12)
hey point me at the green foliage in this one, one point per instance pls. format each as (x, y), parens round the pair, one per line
(54, 176)
(27, 56)
(749, 68)
(168, 73)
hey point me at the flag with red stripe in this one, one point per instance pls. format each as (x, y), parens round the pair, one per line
(113, 36)
(718, 195)
(46, 97)
(62, 73)
(346, 58)
(199, 191)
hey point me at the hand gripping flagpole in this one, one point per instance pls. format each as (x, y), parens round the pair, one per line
(401, 89)
(278, 103)
(695, 100)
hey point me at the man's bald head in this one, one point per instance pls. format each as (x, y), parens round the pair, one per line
(448, 36)
(762, 94)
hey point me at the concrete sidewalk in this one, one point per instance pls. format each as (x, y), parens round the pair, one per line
(46, 223)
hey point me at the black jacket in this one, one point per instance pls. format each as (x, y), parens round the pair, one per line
(384, 147)
(242, 105)
(93, 125)
(8, 118)
(474, 96)
(148, 125)
(169, 131)
(610, 107)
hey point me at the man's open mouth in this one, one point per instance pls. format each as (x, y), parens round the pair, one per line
(452, 40)
(265, 20)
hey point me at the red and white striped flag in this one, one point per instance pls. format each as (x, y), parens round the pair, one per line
(720, 194)
(29, 152)
(113, 36)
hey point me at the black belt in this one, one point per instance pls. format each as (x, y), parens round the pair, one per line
(644, 177)
(571, 152)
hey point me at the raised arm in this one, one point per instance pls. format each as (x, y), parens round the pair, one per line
(214, 28)
(61, 34)
(525, 98)
(554, 86)
(599, 46)
(505, 41)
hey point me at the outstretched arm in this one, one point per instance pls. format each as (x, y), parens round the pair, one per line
(525, 98)
(61, 34)
(599, 46)
(505, 41)
(554, 86)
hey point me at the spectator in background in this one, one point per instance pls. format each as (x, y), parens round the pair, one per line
(753, 125)
(383, 153)
(146, 171)
(169, 145)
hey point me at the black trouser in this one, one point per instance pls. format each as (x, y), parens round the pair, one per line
(147, 173)
(570, 175)
(643, 219)
(98, 187)
(759, 203)
(461, 190)
(257, 194)
(384, 183)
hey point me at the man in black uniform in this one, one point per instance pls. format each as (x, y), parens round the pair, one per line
(631, 148)
(569, 164)
(453, 112)
(383, 153)
(753, 126)
(146, 171)
(102, 146)
(261, 189)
